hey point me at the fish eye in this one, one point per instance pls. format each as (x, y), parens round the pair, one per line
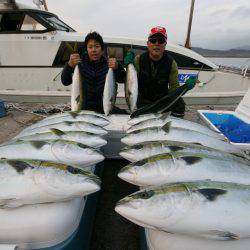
(81, 145)
(138, 146)
(147, 194)
(141, 162)
(74, 170)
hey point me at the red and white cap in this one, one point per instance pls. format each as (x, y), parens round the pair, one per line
(158, 30)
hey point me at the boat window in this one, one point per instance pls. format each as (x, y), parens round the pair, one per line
(187, 62)
(31, 24)
(63, 53)
(117, 51)
(139, 51)
(56, 23)
(11, 22)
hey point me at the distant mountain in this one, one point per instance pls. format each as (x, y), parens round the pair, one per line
(244, 53)
(246, 47)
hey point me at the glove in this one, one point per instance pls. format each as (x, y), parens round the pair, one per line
(129, 58)
(191, 81)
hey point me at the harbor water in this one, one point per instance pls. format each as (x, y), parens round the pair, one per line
(231, 61)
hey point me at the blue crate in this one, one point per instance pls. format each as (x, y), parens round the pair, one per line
(2, 109)
(232, 127)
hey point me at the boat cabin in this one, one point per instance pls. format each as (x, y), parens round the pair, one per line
(30, 21)
(38, 23)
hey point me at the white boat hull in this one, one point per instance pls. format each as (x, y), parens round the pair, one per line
(43, 84)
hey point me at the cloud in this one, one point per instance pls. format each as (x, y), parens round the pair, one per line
(215, 23)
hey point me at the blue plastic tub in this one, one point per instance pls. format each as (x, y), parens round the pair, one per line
(2, 109)
(236, 130)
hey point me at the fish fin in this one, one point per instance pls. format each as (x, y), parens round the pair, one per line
(111, 52)
(69, 47)
(38, 144)
(57, 132)
(165, 115)
(19, 166)
(175, 148)
(220, 235)
(75, 47)
(68, 123)
(191, 159)
(73, 114)
(197, 143)
(211, 194)
(166, 127)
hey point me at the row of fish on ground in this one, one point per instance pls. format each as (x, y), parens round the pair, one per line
(48, 161)
(193, 183)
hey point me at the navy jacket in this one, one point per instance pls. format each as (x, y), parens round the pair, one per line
(93, 74)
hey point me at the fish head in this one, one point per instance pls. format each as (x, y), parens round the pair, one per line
(148, 171)
(133, 138)
(64, 180)
(97, 141)
(89, 127)
(130, 152)
(76, 153)
(128, 139)
(101, 121)
(151, 206)
(84, 181)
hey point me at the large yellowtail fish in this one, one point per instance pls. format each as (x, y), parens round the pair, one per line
(32, 182)
(205, 209)
(110, 88)
(76, 90)
(187, 166)
(61, 151)
(131, 87)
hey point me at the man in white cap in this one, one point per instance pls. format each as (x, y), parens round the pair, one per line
(157, 72)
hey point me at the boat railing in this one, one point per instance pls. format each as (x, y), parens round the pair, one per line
(244, 71)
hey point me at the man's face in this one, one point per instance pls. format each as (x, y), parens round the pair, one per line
(94, 50)
(156, 45)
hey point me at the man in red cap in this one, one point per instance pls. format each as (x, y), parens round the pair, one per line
(157, 72)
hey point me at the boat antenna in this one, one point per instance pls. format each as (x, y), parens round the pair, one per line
(188, 43)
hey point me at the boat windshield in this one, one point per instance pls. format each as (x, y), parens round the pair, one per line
(56, 23)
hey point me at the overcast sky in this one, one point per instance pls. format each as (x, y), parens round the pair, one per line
(222, 24)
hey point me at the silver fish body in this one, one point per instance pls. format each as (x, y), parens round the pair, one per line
(213, 210)
(65, 126)
(76, 90)
(147, 149)
(76, 113)
(131, 87)
(109, 92)
(185, 166)
(35, 182)
(72, 117)
(142, 118)
(178, 123)
(88, 139)
(179, 134)
(65, 152)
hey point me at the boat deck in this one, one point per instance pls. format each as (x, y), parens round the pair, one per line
(110, 230)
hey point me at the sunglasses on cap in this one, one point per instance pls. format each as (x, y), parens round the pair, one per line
(160, 40)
